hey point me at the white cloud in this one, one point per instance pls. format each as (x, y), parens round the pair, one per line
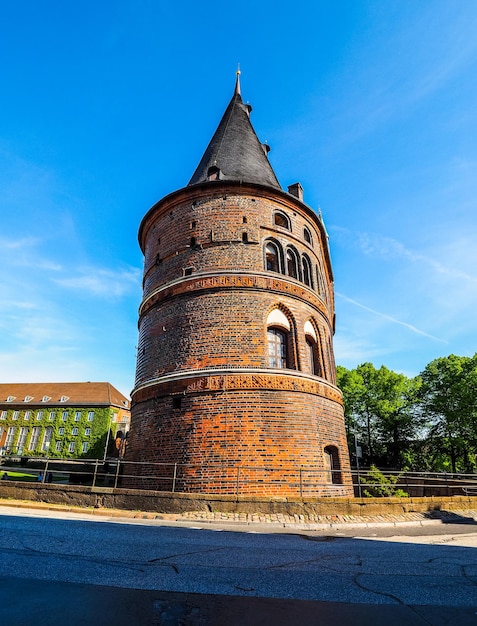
(391, 319)
(103, 282)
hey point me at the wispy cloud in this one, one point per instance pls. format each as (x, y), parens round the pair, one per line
(373, 244)
(103, 282)
(390, 318)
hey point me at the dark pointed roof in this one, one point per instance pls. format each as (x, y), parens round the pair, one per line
(235, 152)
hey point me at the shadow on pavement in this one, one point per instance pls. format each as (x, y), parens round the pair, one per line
(449, 517)
(24, 602)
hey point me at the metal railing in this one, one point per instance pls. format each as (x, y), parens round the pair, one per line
(233, 479)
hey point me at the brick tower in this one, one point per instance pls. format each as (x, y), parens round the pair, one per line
(235, 383)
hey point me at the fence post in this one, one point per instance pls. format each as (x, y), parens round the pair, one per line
(117, 474)
(43, 478)
(174, 478)
(95, 473)
(237, 483)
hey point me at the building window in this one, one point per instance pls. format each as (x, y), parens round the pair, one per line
(22, 439)
(15, 415)
(272, 257)
(58, 446)
(279, 340)
(71, 446)
(292, 263)
(307, 273)
(312, 349)
(280, 219)
(35, 436)
(51, 416)
(64, 416)
(27, 415)
(3, 415)
(90, 416)
(87, 432)
(61, 431)
(64, 399)
(319, 282)
(332, 465)
(84, 447)
(277, 348)
(39, 415)
(74, 431)
(307, 236)
(213, 173)
(10, 398)
(46, 399)
(46, 439)
(176, 402)
(28, 398)
(77, 416)
(11, 432)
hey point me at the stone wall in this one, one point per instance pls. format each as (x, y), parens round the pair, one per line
(150, 501)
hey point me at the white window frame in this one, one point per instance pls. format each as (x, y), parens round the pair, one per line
(35, 438)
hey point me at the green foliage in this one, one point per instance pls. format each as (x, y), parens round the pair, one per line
(63, 428)
(448, 396)
(379, 407)
(427, 423)
(381, 486)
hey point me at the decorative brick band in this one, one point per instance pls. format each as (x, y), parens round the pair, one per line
(216, 281)
(194, 383)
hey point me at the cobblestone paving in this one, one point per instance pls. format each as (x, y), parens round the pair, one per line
(280, 519)
(327, 520)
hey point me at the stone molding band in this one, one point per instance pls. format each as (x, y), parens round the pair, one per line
(196, 383)
(215, 281)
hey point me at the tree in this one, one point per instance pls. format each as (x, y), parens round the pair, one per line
(448, 397)
(380, 409)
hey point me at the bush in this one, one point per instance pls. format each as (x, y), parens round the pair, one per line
(381, 486)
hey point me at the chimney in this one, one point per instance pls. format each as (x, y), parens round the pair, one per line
(296, 190)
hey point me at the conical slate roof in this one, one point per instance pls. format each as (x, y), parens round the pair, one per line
(235, 152)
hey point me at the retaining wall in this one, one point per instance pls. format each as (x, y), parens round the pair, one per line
(163, 502)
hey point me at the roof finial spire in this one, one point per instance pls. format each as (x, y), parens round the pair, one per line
(237, 82)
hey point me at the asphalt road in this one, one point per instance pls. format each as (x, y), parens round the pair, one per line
(76, 571)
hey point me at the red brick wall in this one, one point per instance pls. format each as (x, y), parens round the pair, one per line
(203, 339)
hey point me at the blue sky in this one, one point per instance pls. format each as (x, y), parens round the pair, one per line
(107, 106)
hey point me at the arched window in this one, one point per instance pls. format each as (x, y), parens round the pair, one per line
(213, 173)
(307, 274)
(278, 339)
(277, 348)
(307, 236)
(273, 257)
(292, 263)
(280, 219)
(312, 350)
(319, 282)
(332, 465)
